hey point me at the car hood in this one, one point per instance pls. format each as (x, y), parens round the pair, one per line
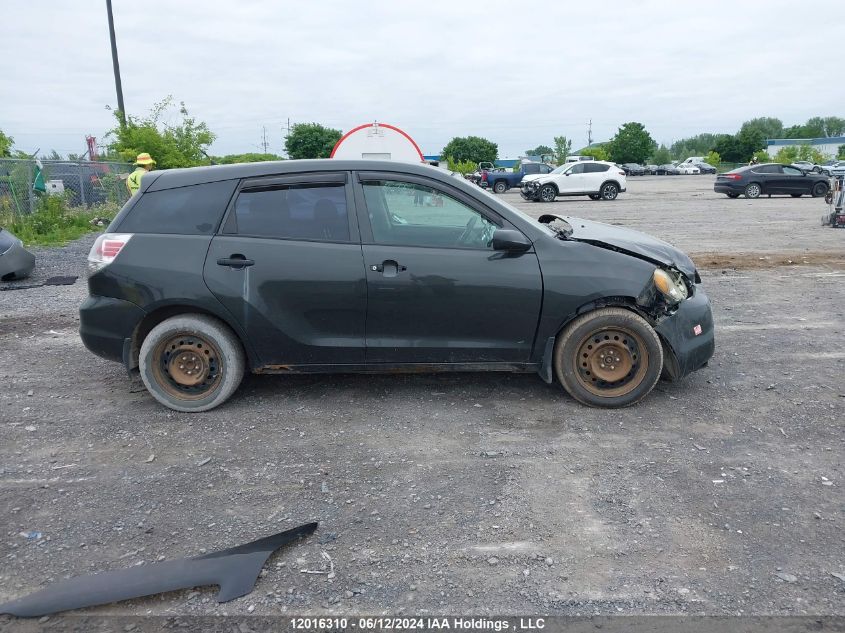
(627, 241)
(531, 177)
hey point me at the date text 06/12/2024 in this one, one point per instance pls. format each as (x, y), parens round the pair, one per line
(417, 624)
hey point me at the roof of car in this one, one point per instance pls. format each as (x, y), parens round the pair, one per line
(171, 178)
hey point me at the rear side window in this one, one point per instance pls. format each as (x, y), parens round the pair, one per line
(306, 212)
(193, 210)
(591, 168)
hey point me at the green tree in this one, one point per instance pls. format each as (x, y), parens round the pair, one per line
(311, 140)
(462, 167)
(540, 150)
(730, 149)
(632, 144)
(768, 127)
(697, 145)
(249, 157)
(661, 156)
(713, 158)
(790, 153)
(599, 152)
(563, 147)
(841, 152)
(6, 144)
(471, 148)
(172, 145)
(762, 156)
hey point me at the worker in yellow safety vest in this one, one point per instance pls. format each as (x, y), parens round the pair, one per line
(143, 164)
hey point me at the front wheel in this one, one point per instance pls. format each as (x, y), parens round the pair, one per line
(547, 193)
(608, 358)
(753, 190)
(609, 191)
(819, 189)
(732, 195)
(500, 187)
(594, 196)
(191, 362)
(796, 195)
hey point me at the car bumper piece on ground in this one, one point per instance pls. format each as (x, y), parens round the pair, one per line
(106, 323)
(16, 262)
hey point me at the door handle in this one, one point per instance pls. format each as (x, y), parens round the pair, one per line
(236, 261)
(388, 268)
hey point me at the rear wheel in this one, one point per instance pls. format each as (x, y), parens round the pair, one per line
(608, 358)
(548, 193)
(753, 190)
(500, 187)
(191, 362)
(819, 189)
(609, 191)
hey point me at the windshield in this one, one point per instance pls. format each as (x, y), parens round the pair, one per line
(563, 168)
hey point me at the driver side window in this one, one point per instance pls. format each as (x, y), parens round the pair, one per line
(408, 214)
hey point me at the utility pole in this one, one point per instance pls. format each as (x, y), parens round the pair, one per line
(264, 137)
(287, 133)
(590, 133)
(116, 66)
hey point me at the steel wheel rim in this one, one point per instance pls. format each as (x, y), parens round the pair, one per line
(611, 362)
(187, 366)
(609, 191)
(547, 194)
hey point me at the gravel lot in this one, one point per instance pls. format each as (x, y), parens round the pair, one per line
(720, 494)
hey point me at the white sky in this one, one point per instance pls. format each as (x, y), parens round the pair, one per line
(517, 73)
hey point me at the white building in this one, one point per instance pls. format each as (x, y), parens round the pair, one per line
(829, 146)
(378, 141)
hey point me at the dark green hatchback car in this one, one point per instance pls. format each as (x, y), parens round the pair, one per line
(372, 266)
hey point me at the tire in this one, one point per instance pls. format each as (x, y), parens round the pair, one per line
(753, 190)
(548, 193)
(210, 349)
(732, 195)
(500, 186)
(796, 195)
(594, 196)
(819, 189)
(581, 358)
(609, 191)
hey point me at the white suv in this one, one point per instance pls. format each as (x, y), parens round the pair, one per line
(598, 179)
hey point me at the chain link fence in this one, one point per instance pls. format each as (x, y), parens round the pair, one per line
(82, 183)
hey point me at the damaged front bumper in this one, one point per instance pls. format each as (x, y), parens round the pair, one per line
(529, 190)
(688, 336)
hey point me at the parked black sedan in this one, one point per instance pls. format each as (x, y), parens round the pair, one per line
(378, 266)
(633, 169)
(706, 168)
(770, 179)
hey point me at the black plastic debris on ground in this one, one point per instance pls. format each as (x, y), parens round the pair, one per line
(61, 280)
(235, 570)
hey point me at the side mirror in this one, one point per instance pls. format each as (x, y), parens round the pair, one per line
(510, 240)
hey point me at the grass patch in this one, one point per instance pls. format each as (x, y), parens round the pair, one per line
(54, 223)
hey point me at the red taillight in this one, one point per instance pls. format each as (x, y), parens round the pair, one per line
(110, 248)
(484, 176)
(106, 248)
(732, 176)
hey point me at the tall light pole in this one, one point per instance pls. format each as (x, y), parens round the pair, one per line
(116, 66)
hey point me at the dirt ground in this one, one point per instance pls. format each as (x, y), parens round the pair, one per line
(476, 493)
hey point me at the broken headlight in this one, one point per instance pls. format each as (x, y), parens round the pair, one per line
(671, 285)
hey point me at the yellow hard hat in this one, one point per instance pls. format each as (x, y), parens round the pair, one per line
(144, 159)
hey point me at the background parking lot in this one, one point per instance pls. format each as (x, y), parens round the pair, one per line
(475, 493)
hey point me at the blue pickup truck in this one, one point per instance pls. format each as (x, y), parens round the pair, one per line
(501, 181)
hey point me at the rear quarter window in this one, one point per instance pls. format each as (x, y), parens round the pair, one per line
(192, 210)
